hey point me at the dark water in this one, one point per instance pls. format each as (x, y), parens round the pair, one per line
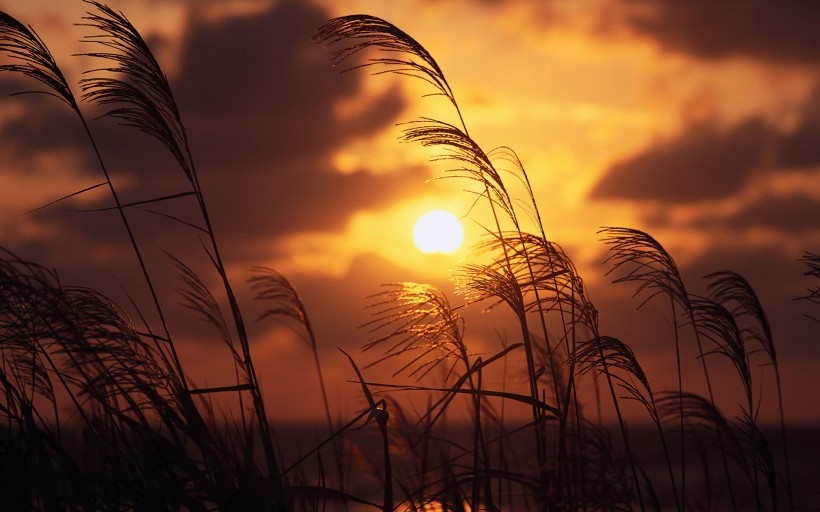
(706, 488)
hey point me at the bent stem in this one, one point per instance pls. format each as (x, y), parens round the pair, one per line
(145, 101)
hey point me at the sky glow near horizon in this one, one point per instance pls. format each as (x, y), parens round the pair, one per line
(697, 124)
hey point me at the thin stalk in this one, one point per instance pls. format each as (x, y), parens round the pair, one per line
(783, 436)
(680, 405)
(529, 352)
(752, 427)
(478, 446)
(664, 444)
(723, 454)
(538, 422)
(537, 414)
(378, 410)
(259, 406)
(138, 253)
(621, 422)
(571, 388)
(315, 350)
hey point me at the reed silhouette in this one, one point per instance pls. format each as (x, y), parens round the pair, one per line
(142, 436)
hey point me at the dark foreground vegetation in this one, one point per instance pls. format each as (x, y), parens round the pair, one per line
(99, 414)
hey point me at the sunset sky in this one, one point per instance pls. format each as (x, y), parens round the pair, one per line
(698, 122)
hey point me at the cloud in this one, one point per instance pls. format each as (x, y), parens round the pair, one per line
(702, 163)
(779, 32)
(258, 87)
(800, 147)
(258, 100)
(34, 121)
(793, 215)
(775, 32)
(705, 162)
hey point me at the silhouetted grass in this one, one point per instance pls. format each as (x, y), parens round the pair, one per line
(141, 436)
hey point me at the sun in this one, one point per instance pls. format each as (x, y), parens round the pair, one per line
(438, 231)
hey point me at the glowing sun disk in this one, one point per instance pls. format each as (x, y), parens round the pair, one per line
(438, 231)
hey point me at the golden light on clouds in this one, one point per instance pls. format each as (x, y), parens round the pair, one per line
(386, 233)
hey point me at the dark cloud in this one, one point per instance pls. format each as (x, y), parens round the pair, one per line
(702, 163)
(705, 162)
(258, 100)
(794, 215)
(48, 143)
(38, 124)
(774, 31)
(801, 146)
(257, 88)
(777, 32)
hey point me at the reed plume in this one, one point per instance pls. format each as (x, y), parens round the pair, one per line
(641, 259)
(136, 91)
(150, 440)
(812, 261)
(732, 290)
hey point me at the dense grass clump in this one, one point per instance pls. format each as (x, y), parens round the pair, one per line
(141, 436)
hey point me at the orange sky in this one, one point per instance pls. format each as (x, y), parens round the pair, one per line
(698, 123)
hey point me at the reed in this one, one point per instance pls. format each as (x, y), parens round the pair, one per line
(152, 440)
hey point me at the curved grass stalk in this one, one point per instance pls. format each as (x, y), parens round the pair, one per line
(539, 265)
(101, 361)
(556, 265)
(408, 57)
(729, 288)
(656, 272)
(136, 85)
(275, 288)
(30, 56)
(609, 352)
(812, 261)
(378, 411)
(621, 421)
(198, 298)
(701, 413)
(643, 260)
(717, 324)
(33, 59)
(418, 317)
